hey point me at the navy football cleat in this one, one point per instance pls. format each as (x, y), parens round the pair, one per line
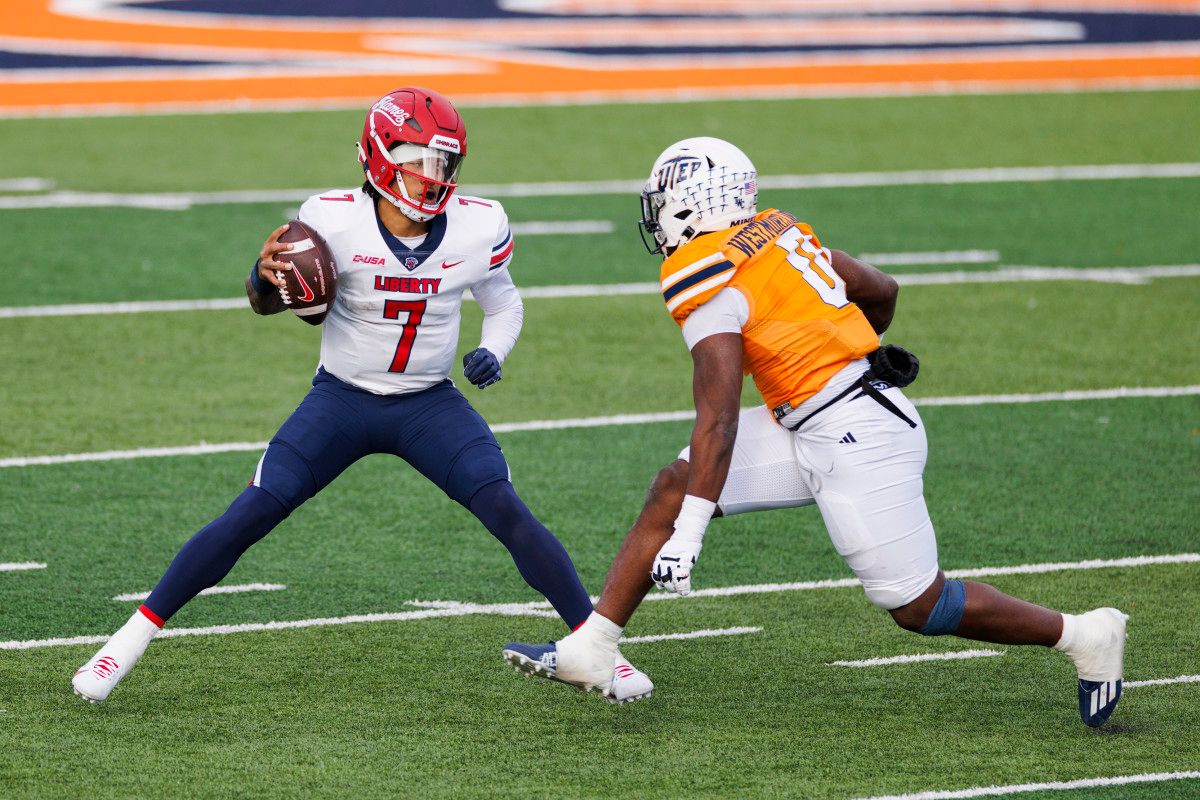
(1098, 650)
(533, 659)
(1097, 700)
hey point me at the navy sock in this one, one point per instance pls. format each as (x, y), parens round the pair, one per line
(210, 554)
(541, 559)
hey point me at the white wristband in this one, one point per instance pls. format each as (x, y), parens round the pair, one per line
(693, 519)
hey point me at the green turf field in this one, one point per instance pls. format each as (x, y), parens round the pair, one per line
(420, 705)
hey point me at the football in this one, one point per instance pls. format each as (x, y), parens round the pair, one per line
(311, 283)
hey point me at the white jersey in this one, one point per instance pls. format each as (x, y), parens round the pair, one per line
(393, 327)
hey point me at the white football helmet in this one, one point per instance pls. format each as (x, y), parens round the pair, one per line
(697, 185)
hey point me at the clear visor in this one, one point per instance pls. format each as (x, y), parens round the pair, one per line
(426, 162)
(425, 174)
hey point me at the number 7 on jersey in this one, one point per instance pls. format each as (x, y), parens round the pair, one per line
(415, 310)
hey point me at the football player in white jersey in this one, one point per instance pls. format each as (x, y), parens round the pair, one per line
(407, 247)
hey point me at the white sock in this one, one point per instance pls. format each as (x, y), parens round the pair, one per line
(601, 630)
(1070, 634)
(135, 634)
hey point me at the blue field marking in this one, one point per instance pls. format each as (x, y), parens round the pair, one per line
(14, 59)
(942, 28)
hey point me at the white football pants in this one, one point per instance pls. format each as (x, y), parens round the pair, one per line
(862, 466)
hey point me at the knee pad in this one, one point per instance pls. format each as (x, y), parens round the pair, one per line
(947, 612)
(474, 468)
(285, 475)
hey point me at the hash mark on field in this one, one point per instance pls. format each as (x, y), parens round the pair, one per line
(1050, 786)
(26, 185)
(500, 609)
(431, 609)
(606, 421)
(663, 637)
(21, 565)
(954, 656)
(231, 589)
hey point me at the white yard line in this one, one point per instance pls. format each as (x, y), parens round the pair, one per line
(1097, 563)
(1121, 275)
(1029, 274)
(910, 659)
(570, 227)
(1049, 786)
(1163, 681)
(231, 589)
(141, 452)
(1117, 393)
(176, 201)
(20, 566)
(980, 572)
(936, 257)
(128, 307)
(430, 609)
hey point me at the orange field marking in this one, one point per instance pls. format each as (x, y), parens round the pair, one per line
(257, 63)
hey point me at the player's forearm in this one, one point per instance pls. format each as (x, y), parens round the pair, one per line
(501, 329)
(264, 303)
(879, 313)
(874, 292)
(711, 453)
(503, 313)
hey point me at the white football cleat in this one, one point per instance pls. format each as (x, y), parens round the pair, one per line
(1097, 647)
(96, 679)
(566, 662)
(629, 684)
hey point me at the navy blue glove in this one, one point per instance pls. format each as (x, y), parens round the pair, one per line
(481, 367)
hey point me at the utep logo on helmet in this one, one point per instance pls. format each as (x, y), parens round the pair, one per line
(676, 170)
(387, 106)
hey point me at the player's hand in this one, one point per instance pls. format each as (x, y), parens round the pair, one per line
(673, 565)
(481, 367)
(267, 265)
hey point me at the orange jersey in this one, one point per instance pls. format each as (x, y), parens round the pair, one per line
(802, 329)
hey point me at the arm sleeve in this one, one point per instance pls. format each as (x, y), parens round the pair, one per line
(310, 213)
(503, 313)
(726, 312)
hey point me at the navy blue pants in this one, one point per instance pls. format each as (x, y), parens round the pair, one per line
(435, 430)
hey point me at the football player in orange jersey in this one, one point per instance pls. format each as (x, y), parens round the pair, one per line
(758, 293)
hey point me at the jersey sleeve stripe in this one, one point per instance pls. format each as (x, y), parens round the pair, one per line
(690, 268)
(688, 282)
(502, 255)
(710, 286)
(503, 242)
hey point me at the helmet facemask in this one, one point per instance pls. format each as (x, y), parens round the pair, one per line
(435, 173)
(696, 186)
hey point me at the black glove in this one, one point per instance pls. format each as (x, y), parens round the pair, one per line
(895, 365)
(481, 367)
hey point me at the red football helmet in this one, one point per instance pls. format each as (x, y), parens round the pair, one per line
(415, 132)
